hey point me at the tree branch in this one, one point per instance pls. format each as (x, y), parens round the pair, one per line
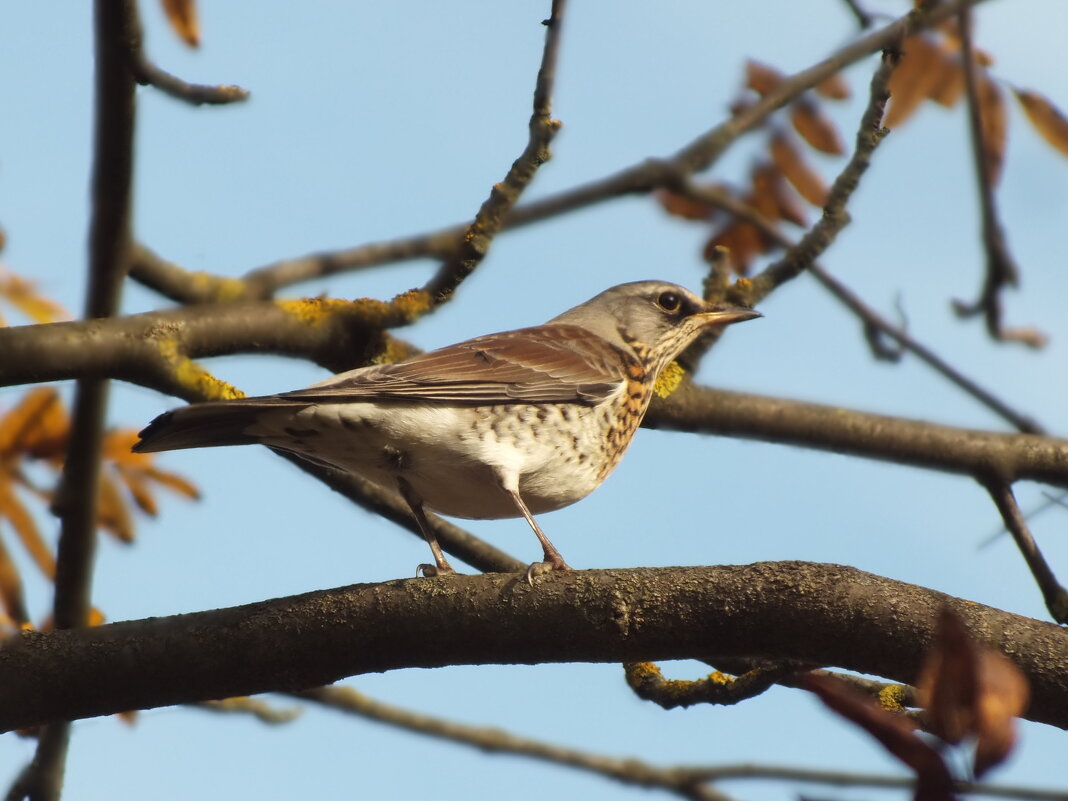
(645, 176)
(821, 614)
(980, 454)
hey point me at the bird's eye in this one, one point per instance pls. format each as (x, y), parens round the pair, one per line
(669, 301)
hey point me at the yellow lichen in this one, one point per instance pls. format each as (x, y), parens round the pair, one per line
(668, 380)
(892, 697)
(315, 311)
(192, 377)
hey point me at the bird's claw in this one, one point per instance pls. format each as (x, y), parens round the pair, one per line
(541, 568)
(426, 570)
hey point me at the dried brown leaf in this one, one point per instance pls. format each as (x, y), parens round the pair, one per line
(993, 116)
(173, 482)
(801, 176)
(182, 15)
(815, 128)
(894, 732)
(948, 684)
(137, 485)
(761, 78)
(1046, 118)
(11, 589)
(741, 240)
(683, 206)
(919, 71)
(833, 88)
(23, 295)
(1004, 695)
(112, 513)
(36, 427)
(948, 87)
(774, 198)
(12, 509)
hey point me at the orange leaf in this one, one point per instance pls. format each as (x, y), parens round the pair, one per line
(833, 88)
(685, 207)
(1046, 118)
(173, 482)
(814, 128)
(182, 14)
(37, 426)
(21, 520)
(118, 447)
(995, 127)
(23, 295)
(914, 78)
(773, 198)
(11, 589)
(947, 88)
(138, 487)
(761, 78)
(803, 178)
(111, 513)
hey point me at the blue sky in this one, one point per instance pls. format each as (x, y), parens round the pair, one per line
(371, 121)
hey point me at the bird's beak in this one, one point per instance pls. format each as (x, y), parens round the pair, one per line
(727, 315)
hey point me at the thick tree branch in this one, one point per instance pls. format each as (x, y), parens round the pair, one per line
(981, 454)
(820, 614)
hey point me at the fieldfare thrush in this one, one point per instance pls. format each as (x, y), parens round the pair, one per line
(505, 425)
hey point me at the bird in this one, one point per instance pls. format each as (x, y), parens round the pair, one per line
(506, 425)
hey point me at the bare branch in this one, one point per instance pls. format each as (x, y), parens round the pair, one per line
(1009, 457)
(1055, 595)
(148, 74)
(640, 178)
(476, 239)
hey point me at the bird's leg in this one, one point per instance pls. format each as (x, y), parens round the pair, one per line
(415, 503)
(553, 560)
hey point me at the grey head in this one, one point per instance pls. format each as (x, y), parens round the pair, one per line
(658, 317)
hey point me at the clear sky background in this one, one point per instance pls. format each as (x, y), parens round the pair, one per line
(375, 120)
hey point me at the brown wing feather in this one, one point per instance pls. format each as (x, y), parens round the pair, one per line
(547, 364)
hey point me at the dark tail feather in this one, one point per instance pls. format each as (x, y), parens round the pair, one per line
(202, 425)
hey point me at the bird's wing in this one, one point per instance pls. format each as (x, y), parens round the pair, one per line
(546, 364)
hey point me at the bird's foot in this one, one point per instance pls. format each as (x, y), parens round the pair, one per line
(430, 571)
(548, 566)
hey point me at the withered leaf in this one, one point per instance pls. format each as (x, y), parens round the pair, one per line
(761, 78)
(112, 514)
(948, 684)
(895, 733)
(23, 295)
(13, 510)
(742, 241)
(686, 207)
(37, 427)
(1003, 695)
(1046, 118)
(814, 128)
(182, 14)
(801, 176)
(833, 88)
(994, 119)
(919, 71)
(11, 590)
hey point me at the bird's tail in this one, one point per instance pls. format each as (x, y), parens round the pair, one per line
(205, 425)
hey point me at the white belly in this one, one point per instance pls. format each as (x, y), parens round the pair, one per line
(457, 459)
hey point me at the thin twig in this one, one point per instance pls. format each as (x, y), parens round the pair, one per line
(639, 178)
(800, 257)
(148, 74)
(685, 780)
(1055, 596)
(488, 222)
(1001, 269)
